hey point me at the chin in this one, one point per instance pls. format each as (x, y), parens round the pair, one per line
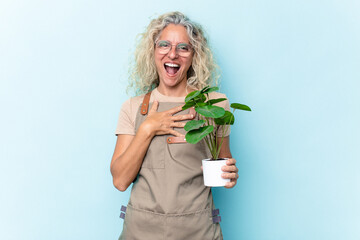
(171, 83)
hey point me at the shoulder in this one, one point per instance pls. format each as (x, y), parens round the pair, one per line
(127, 116)
(130, 107)
(133, 102)
(214, 95)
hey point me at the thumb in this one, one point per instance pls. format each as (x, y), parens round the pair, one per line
(154, 107)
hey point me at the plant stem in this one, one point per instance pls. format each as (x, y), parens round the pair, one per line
(216, 142)
(207, 143)
(221, 142)
(225, 128)
(212, 140)
(207, 138)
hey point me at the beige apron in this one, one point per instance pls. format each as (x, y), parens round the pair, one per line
(168, 199)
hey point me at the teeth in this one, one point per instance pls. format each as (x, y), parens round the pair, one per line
(172, 65)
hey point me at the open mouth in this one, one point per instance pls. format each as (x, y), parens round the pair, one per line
(171, 68)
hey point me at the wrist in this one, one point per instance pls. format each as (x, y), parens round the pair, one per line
(146, 131)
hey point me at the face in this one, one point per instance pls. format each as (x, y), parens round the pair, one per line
(171, 67)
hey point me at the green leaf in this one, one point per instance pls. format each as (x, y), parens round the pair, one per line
(191, 95)
(200, 104)
(193, 124)
(240, 106)
(209, 90)
(227, 119)
(210, 111)
(200, 98)
(188, 105)
(194, 136)
(213, 101)
(205, 88)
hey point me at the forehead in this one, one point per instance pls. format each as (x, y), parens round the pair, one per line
(175, 34)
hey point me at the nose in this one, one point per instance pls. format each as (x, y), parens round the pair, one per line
(172, 53)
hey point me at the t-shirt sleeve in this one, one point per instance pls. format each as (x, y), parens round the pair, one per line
(126, 123)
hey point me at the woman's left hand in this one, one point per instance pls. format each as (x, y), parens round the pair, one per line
(231, 172)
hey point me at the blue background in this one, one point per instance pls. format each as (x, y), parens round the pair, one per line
(63, 71)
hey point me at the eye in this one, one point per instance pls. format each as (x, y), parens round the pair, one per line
(183, 47)
(163, 44)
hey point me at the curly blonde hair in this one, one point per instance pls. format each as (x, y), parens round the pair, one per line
(143, 73)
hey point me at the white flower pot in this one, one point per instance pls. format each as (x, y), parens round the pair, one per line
(212, 172)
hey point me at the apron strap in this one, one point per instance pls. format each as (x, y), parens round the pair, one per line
(171, 140)
(145, 104)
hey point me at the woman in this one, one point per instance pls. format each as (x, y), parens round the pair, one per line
(168, 198)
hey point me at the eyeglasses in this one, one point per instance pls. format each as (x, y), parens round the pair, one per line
(183, 49)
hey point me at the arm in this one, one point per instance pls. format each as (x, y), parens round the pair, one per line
(225, 148)
(130, 150)
(127, 158)
(230, 164)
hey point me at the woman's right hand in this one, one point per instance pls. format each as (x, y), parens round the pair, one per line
(161, 123)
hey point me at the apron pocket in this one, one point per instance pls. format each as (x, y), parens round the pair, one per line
(141, 224)
(154, 157)
(186, 155)
(192, 226)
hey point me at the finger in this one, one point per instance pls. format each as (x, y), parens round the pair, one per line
(182, 117)
(231, 161)
(230, 184)
(230, 176)
(193, 115)
(176, 133)
(154, 107)
(177, 124)
(231, 168)
(174, 110)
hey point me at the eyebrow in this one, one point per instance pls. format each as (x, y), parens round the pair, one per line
(172, 42)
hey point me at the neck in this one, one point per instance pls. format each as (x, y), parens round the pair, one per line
(180, 90)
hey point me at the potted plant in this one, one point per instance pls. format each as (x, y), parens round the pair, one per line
(210, 117)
